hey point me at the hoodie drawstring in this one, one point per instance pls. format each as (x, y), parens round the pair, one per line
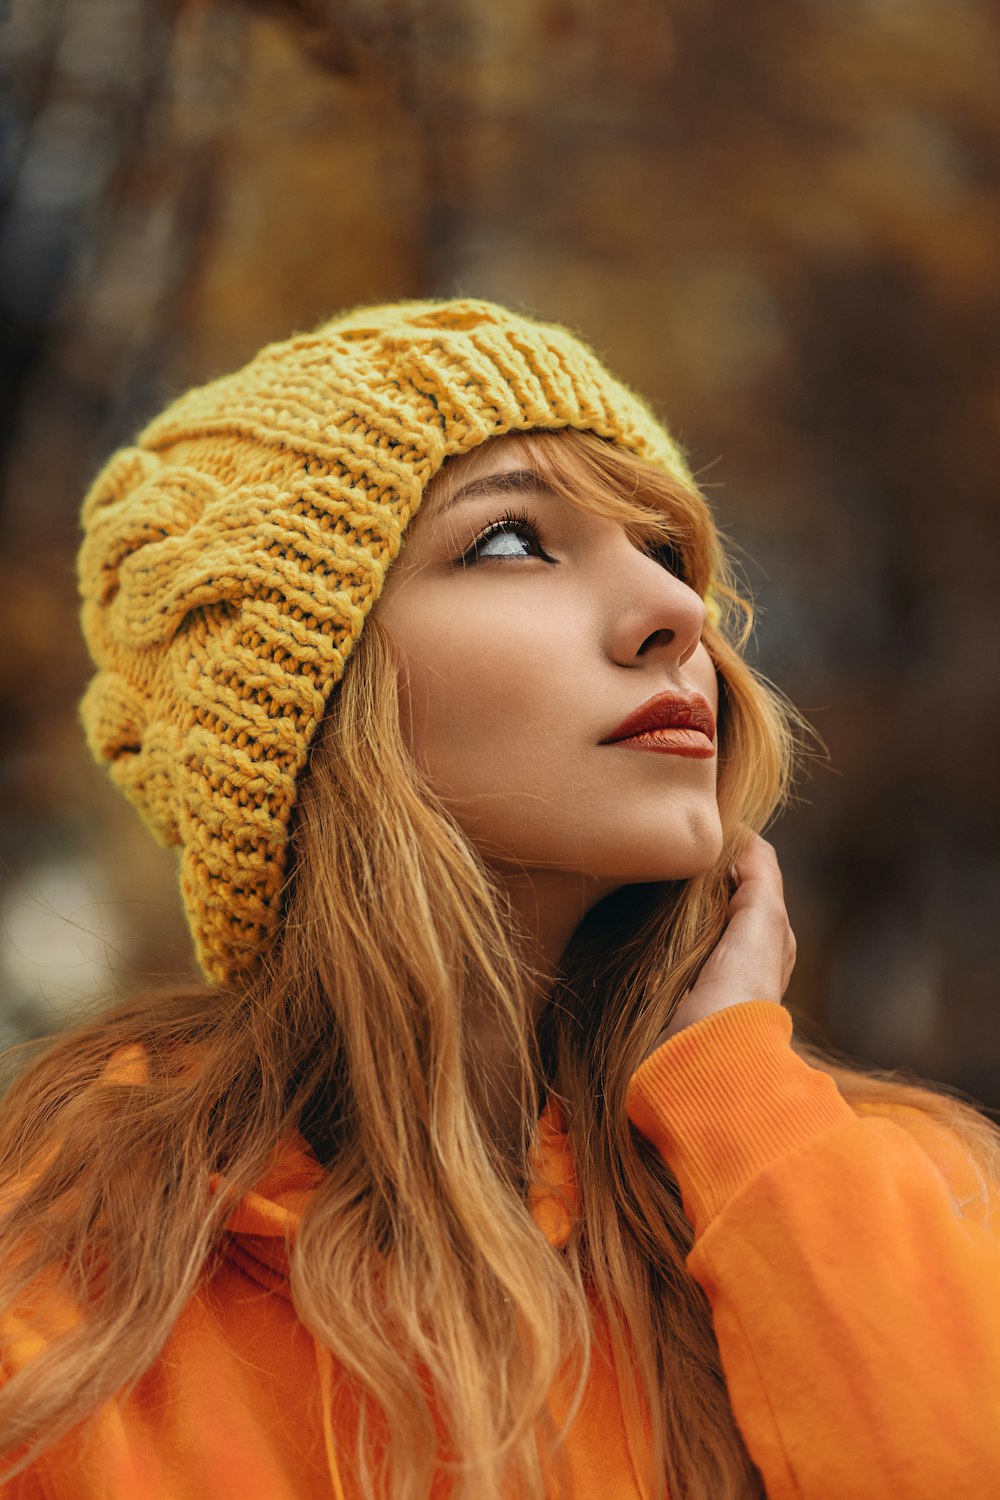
(324, 1364)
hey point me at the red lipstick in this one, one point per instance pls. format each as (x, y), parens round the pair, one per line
(670, 723)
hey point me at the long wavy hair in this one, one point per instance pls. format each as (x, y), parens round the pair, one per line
(418, 1263)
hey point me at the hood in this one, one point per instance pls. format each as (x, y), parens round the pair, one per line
(262, 1227)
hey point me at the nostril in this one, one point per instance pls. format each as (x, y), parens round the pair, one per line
(658, 638)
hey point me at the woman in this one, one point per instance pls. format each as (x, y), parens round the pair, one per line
(484, 1164)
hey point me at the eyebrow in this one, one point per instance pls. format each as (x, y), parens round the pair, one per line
(515, 481)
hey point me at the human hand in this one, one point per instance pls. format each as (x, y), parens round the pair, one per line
(755, 956)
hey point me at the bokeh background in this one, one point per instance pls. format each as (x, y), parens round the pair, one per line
(779, 220)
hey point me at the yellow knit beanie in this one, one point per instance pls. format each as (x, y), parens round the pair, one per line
(230, 558)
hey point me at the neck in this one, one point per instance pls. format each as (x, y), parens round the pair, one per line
(546, 908)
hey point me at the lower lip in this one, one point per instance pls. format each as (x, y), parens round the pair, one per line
(690, 742)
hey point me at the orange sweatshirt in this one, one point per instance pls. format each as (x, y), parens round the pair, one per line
(853, 1279)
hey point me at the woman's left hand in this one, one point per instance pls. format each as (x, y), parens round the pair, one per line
(754, 958)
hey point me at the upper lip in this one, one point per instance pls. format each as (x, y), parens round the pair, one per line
(666, 711)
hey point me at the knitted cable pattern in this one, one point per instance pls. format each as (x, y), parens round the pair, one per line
(231, 555)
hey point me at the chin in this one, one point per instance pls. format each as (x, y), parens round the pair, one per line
(612, 850)
(675, 854)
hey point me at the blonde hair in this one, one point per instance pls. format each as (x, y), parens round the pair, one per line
(418, 1263)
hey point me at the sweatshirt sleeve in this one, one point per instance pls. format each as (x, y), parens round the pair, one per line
(856, 1306)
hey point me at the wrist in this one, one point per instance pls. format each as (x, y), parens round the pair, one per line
(694, 1008)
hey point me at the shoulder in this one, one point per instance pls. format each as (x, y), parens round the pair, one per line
(968, 1159)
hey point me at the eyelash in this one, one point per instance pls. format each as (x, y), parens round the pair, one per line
(511, 520)
(665, 552)
(670, 556)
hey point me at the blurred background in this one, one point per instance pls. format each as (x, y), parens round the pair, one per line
(780, 221)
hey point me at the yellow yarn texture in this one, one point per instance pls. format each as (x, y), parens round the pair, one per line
(231, 555)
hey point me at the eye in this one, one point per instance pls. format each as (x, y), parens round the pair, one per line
(667, 555)
(514, 534)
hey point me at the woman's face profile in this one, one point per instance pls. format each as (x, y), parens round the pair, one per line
(529, 630)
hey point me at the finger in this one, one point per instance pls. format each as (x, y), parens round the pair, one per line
(791, 951)
(758, 860)
(760, 899)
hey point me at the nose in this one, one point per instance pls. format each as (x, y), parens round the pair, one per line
(656, 616)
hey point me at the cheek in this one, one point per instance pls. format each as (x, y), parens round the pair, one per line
(478, 704)
(467, 698)
(701, 673)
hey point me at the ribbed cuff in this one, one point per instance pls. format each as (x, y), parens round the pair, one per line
(724, 1098)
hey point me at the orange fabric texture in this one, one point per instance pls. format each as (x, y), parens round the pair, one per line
(848, 1258)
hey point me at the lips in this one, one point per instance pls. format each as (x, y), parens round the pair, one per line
(666, 711)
